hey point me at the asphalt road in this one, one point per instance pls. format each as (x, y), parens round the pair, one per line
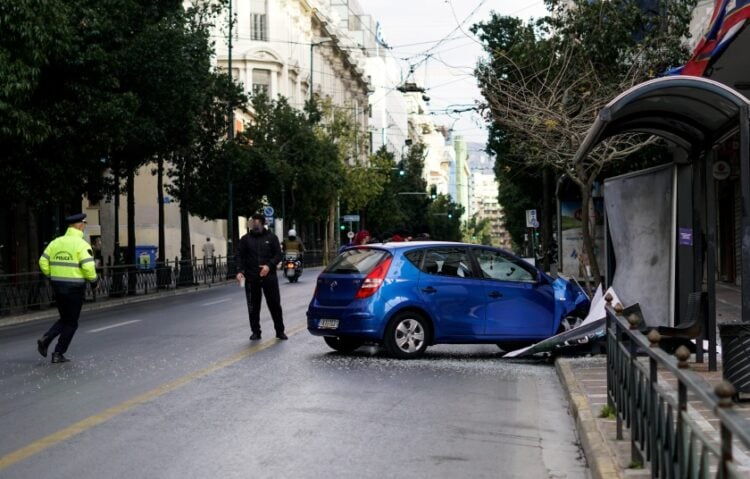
(173, 388)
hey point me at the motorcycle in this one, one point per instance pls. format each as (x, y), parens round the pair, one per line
(292, 267)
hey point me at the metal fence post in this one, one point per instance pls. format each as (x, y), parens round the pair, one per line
(635, 453)
(682, 354)
(725, 391)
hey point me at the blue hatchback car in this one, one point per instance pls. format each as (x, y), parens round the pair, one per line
(407, 296)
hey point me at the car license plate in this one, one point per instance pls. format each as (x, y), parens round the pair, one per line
(328, 324)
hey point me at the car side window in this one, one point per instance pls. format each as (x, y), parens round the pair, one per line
(447, 262)
(414, 257)
(495, 265)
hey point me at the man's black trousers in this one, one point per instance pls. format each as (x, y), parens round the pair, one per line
(254, 291)
(69, 299)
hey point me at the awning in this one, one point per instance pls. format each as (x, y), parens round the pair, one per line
(692, 112)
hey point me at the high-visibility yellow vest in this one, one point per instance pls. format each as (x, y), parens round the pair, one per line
(68, 259)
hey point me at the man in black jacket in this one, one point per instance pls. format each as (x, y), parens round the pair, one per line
(257, 256)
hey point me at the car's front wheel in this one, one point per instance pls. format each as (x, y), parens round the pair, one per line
(568, 323)
(407, 335)
(343, 345)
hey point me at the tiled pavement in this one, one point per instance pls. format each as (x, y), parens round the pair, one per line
(585, 380)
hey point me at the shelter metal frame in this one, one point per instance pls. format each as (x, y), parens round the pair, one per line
(696, 114)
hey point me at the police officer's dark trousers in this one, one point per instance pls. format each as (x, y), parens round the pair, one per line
(254, 291)
(69, 299)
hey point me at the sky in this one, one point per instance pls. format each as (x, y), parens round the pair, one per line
(444, 67)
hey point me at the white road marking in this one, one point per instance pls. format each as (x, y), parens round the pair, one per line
(216, 302)
(114, 325)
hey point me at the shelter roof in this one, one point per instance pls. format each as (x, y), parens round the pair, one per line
(693, 112)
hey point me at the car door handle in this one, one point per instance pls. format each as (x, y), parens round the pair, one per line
(429, 289)
(495, 294)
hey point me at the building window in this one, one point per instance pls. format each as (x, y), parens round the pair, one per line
(258, 21)
(261, 81)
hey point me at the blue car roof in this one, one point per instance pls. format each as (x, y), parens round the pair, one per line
(414, 244)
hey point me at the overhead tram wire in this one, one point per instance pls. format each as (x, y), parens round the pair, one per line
(427, 54)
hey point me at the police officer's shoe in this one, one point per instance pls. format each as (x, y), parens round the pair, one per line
(59, 358)
(42, 345)
(281, 336)
(255, 337)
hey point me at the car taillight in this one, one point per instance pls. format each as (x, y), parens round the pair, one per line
(374, 280)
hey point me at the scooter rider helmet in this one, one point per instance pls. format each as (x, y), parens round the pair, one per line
(292, 232)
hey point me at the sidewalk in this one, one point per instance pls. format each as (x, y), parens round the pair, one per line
(51, 313)
(585, 382)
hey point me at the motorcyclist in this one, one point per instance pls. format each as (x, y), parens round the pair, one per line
(293, 245)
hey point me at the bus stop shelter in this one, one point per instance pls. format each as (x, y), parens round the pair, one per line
(697, 115)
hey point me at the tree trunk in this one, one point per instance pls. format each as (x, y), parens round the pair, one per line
(132, 278)
(118, 284)
(330, 251)
(116, 251)
(588, 228)
(160, 201)
(546, 217)
(163, 272)
(186, 264)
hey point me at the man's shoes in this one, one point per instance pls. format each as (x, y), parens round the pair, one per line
(254, 337)
(59, 358)
(281, 336)
(42, 345)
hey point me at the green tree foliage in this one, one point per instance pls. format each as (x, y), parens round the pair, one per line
(402, 205)
(365, 182)
(33, 35)
(477, 231)
(72, 99)
(444, 219)
(545, 81)
(285, 152)
(195, 126)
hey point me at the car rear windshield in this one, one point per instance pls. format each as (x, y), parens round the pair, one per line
(357, 261)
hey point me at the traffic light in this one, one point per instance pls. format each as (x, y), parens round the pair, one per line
(401, 171)
(433, 191)
(342, 227)
(450, 215)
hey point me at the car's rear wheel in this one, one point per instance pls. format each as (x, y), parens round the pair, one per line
(407, 335)
(343, 345)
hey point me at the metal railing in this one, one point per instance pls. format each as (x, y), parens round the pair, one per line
(661, 430)
(20, 293)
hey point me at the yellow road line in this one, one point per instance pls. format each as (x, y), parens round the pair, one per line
(104, 416)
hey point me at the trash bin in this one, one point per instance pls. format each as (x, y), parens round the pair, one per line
(735, 354)
(145, 256)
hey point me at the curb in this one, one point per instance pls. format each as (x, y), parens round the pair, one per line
(52, 313)
(602, 461)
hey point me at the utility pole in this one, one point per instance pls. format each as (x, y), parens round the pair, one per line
(230, 136)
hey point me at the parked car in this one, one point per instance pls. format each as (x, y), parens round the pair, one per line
(408, 296)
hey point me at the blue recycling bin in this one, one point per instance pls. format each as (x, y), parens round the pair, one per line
(145, 256)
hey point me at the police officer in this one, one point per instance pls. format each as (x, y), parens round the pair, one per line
(68, 262)
(257, 256)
